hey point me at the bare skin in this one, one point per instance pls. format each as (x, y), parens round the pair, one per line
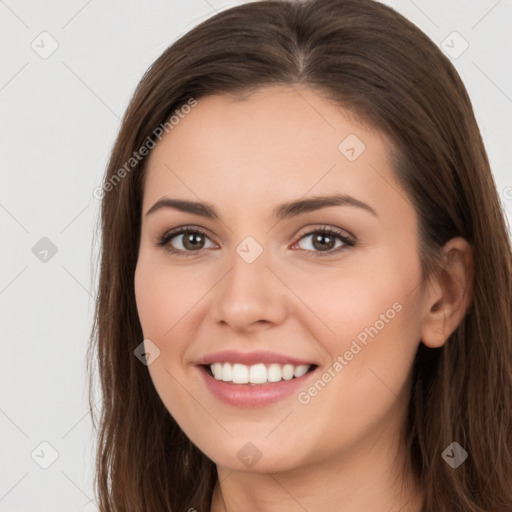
(341, 449)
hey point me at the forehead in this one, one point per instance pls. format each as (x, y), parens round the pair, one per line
(268, 147)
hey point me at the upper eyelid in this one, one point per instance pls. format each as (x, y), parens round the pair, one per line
(171, 233)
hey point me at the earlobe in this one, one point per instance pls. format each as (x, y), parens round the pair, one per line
(449, 293)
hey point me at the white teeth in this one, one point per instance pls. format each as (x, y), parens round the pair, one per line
(217, 370)
(274, 373)
(301, 370)
(227, 372)
(257, 373)
(288, 372)
(240, 374)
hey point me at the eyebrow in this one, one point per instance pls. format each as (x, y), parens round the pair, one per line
(281, 212)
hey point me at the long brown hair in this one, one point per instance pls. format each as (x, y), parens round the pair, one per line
(378, 65)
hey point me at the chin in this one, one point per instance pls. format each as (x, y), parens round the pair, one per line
(258, 456)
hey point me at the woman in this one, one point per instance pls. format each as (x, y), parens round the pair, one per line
(305, 286)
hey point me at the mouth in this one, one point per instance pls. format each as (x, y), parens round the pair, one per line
(254, 379)
(257, 374)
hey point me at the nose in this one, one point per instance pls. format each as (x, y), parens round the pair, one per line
(250, 295)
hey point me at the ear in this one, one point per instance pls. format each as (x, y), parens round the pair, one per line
(448, 293)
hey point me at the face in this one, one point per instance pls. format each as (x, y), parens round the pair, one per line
(245, 300)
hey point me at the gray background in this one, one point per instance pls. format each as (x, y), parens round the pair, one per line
(60, 114)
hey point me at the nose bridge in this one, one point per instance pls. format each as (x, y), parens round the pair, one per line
(249, 292)
(248, 278)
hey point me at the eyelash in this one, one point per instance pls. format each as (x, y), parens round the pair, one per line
(326, 230)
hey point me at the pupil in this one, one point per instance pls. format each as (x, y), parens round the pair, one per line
(318, 238)
(189, 240)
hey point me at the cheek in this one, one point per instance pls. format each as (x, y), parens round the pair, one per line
(162, 312)
(163, 296)
(347, 300)
(151, 300)
(372, 351)
(373, 313)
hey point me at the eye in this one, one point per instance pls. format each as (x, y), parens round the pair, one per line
(323, 240)
(192, 240)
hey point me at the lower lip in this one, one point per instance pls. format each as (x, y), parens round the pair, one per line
(247, 395)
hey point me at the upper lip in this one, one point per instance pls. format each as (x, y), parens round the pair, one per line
(250, 358)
